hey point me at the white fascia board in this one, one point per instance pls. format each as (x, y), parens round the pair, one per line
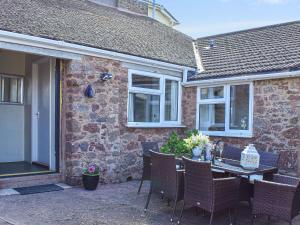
(247, 78)
(44, 43)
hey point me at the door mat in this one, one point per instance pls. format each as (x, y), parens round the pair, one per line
(38, 189)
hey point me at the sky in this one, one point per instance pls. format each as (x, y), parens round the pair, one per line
(200, 18)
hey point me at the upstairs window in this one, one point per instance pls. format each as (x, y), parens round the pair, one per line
(11, 88)
(225, 110)
(153, 100)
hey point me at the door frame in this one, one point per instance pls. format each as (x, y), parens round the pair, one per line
(53, 153)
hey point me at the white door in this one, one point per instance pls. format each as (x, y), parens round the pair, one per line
(41, 105)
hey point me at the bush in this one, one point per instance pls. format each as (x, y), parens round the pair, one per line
(176, 145)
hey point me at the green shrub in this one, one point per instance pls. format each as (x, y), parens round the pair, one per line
(176, 145)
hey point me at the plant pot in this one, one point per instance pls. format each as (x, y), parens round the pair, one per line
(90, 182)
(197, 152)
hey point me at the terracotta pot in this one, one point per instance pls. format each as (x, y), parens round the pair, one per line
(90, 182)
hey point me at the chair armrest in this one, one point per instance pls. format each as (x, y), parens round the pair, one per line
(273, 198)
(226, 192)
(286, 179)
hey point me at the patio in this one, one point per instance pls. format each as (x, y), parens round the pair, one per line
(113, 204)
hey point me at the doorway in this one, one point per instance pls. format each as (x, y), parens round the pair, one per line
(29, 101)
(43, 113)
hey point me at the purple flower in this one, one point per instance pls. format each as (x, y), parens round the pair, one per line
(91, 169)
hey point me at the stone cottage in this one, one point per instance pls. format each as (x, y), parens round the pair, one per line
(147, 80)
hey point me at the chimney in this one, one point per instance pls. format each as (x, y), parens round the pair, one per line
(136, 6)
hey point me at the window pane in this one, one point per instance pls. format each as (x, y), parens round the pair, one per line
(212, 117)
(239, 107)
(144, 108)
(171, 100)
(212, 93)
(11, 89)
(145, 82)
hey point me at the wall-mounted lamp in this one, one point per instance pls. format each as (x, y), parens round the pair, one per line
(105, 76)
(89, 92)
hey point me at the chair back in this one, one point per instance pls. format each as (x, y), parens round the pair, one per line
(296, 202)
(269, 158)
(163, 174)
(232, 152)
(149, 146)
(198, 189)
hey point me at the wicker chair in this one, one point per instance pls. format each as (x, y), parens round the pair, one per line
(279, 198)
(269, 159)
(147, 147)
(231, 152)
(165, 179)
(247, 189)
(203, 191)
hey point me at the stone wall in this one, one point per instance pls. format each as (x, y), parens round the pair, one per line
(276, 120)
(96, 127)
(134, 6)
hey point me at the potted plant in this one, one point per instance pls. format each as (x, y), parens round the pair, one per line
(90, 176)
(197, 142)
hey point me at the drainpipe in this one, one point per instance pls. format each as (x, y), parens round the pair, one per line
(298, 150)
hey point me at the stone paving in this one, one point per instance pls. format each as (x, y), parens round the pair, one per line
(114, 204)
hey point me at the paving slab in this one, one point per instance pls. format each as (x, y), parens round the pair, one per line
(114, 204)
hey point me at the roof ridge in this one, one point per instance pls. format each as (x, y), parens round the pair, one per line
(250, 29)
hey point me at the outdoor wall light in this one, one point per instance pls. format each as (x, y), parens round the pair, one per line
(89, 92)
(105, 76)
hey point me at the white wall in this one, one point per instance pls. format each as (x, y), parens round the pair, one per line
(12, 63)
(11, 133)
(12, 116)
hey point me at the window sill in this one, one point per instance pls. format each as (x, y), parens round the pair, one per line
(226, 134)
(140, 125)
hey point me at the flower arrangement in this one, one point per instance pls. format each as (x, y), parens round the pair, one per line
(90, 169)
(196, 140)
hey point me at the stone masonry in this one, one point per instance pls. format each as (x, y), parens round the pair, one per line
(276, 120)
(96, 127)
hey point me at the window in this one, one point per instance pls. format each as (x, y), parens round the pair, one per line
(225, 110)
(11, 88)
(154, 99)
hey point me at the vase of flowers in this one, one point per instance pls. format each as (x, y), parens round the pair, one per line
(197, 143)
(90, 176)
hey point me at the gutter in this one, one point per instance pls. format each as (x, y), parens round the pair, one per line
(61, 46)
(247, 78)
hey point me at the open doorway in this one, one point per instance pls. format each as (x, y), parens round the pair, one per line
(28, 103)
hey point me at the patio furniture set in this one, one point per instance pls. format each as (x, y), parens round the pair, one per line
(220, 185)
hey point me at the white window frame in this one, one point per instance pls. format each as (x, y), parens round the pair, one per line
(160, 92)
(21, 89)
(226, 100)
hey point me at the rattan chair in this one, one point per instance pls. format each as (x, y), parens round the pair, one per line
(147, 147)
(231, 152)
(279, 198)
(247, 189)
(269, 159)
(165, 179)
(203, 191)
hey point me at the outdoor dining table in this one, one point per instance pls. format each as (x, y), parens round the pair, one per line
(234, 168)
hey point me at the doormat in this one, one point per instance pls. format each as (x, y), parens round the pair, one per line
(38, 189)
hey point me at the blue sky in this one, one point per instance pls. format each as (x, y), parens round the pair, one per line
(200, 18)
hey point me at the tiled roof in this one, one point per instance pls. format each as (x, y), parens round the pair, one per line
(85, 23)
(268, 49)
